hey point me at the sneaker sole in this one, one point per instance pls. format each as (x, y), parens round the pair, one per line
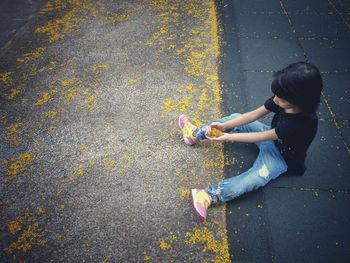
(179, 121)
(188, 142)
(200, 217)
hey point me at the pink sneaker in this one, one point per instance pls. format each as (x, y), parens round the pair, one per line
(201, 202)
(188, 130)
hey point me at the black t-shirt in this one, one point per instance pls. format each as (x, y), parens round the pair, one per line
(295, 133)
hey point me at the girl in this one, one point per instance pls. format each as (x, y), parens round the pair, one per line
(282, 146)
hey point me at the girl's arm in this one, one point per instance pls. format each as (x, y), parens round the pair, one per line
(269, 135)
(246, 118)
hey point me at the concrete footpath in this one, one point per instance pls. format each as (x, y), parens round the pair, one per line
(293, 219)
(93, 165)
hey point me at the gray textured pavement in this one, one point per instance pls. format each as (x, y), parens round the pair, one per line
(93, 165)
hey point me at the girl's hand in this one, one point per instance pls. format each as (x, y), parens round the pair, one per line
(217, 125)
(225, 137)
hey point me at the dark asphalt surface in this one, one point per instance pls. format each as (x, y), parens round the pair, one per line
(293, 219)
(14, 16)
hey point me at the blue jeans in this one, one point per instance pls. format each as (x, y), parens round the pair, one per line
(268, 165)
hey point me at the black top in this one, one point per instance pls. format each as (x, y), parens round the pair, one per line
(295, 133)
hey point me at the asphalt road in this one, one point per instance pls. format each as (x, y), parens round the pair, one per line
(93, 165)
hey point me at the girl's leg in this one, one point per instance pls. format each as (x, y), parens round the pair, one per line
(268, 166)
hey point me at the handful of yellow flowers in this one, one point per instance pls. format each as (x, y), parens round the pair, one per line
(214, 132)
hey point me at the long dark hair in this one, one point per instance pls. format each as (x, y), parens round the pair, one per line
(300, 84)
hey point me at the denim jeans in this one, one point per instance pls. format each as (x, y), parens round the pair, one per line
(268, 165)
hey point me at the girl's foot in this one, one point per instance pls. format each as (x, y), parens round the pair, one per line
(188, 130)
(201, 202)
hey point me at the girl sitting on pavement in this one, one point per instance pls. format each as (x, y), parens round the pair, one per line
(282, 146)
